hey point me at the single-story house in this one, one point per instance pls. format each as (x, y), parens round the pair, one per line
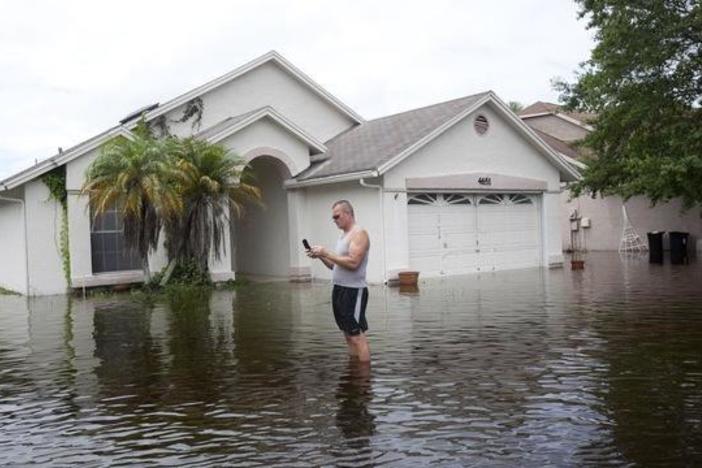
(456, 187)
(604, 216)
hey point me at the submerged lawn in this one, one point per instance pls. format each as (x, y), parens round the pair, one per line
(534, 367)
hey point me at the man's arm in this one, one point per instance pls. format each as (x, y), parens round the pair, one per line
(314, 252)
(327, 263)
(358, 248)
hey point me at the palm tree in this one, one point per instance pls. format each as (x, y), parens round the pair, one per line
(135, 175)
(212, 184)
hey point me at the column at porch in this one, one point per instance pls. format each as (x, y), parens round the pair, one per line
(396, 234)
(300, 270)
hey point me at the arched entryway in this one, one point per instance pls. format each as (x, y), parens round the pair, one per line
(260, 239)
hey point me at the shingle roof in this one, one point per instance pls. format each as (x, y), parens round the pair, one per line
(369, 145)
(540, 107)
(557, 145)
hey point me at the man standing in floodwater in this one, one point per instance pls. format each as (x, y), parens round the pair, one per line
(348, 264)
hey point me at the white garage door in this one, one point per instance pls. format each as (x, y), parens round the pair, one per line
(452, 233)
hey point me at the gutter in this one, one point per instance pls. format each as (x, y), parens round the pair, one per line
(292, 183)
(26, 244)
(365, 184)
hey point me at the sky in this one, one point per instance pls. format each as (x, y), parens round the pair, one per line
(72, 69)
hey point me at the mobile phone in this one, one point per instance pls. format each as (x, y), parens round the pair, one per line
(306, 244)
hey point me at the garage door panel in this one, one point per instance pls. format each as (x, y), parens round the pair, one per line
(509, 235)
(459, 233)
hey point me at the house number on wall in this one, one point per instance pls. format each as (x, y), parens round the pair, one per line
(485, 180)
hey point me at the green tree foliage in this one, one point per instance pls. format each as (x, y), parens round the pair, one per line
(211, 183)
(644, 83)
(186, 187)
(55, 180)
(135, 175)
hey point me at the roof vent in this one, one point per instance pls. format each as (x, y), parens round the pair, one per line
(481, 124)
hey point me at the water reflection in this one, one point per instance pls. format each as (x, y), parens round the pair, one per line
(530, 368)
(353, 418)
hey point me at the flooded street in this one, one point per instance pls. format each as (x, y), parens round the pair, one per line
(530, 367)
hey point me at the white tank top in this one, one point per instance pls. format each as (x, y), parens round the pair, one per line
(345, 277)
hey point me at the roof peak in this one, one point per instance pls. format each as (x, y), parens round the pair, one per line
(470, 96)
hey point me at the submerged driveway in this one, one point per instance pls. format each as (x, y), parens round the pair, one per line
(526, 367)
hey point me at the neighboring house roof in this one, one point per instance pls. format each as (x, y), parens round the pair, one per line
(63, 157)
(558, 145)
(570, 154)
(539, 109)
(376, 146)
(231, 125)
(271, 56)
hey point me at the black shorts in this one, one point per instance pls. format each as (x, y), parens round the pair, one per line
(349, 306)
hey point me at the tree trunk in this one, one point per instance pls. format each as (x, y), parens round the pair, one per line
(147, 271)
(169, 271)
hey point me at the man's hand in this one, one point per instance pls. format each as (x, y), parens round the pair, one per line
(317, 251)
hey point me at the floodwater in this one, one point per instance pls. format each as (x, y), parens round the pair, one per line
(529, 368)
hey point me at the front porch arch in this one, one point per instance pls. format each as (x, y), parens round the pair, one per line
(260, 238)
(270, 152)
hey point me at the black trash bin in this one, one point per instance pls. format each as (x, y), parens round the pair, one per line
(678, 247)
(655, 246)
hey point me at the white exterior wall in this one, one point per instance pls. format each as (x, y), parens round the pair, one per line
(607, 220)
(320, 230)
(43, 230)
(267, 85)
(266, 133)
(13, 267)
(551, 228)
(461, 150)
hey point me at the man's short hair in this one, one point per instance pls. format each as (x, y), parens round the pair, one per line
(345, 205)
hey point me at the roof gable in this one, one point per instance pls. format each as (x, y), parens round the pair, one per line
(379, 145)
(377, 141)
(270, 57)
(234, 124)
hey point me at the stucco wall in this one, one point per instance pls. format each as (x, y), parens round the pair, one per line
(43, 229)
(320, 230)
(461, 150)
(267, 133)
(12, 249)
(607, 220)
(267, 85)
(557, 127)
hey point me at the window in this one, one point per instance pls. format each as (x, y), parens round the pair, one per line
(439, 199)
(481, 124)
(505, 199)
(107, 246)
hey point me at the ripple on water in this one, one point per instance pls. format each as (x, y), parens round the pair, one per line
(536, 367)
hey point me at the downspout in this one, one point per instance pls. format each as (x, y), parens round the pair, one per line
(382, 219)
(26, 244)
